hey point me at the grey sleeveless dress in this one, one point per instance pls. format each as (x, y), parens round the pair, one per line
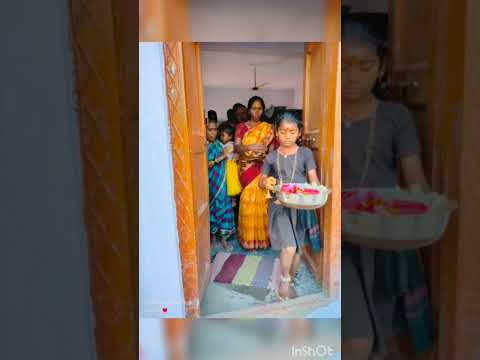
(284, 225)
(368, 307)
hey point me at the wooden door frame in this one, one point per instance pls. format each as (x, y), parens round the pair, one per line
(467, 312)
(452, 264)
(330, 273)
(183, 178)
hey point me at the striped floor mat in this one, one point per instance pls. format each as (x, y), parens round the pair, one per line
(248, 270)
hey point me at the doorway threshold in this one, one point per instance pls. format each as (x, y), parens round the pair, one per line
(295, 308)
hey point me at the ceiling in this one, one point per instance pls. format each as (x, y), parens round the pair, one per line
(231, 65)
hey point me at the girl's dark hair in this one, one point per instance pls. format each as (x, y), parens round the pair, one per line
(288, 117)
(367, 28)
(252, 100)
(226, 128)
(370, 29)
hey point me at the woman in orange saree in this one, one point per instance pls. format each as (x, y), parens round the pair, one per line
(252, 139)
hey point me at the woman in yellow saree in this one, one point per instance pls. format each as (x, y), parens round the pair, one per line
(252, 139)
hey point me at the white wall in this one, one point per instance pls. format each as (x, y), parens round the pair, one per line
(227, 74)
(159, 257)
(235, 69)
(221, 99)
(47, 308)
(298, 95)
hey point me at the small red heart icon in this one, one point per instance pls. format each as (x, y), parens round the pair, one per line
(164, 310)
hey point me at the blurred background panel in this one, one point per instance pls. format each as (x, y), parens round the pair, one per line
(248, 20)
(176, 339)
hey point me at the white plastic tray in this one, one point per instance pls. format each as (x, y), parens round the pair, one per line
(309, 202)
(398, 232)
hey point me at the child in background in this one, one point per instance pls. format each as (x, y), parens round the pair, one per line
(221, 212)
(290, 163)
(226, 134)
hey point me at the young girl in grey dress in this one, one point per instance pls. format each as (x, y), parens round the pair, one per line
(378, 141)
(290, 163)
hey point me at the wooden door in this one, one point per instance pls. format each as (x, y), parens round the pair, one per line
(322, 135)
(428, 71)
(198, 155)
(108, 118)
(185, 104)
(411, 67)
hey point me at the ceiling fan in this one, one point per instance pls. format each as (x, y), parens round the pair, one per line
(259, 86)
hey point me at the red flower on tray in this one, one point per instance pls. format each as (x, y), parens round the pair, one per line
(311, 191)
(290, 189)
(403, 207)
(371, 202)
(295, 189)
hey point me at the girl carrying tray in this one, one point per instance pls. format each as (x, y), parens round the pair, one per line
(287, 227)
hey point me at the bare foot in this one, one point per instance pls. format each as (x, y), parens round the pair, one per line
(284, 290)
(293, 293)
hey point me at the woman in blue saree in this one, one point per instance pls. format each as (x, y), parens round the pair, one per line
(222, 219)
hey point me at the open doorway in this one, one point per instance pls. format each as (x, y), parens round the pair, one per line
(246, 266)
(295, 77)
